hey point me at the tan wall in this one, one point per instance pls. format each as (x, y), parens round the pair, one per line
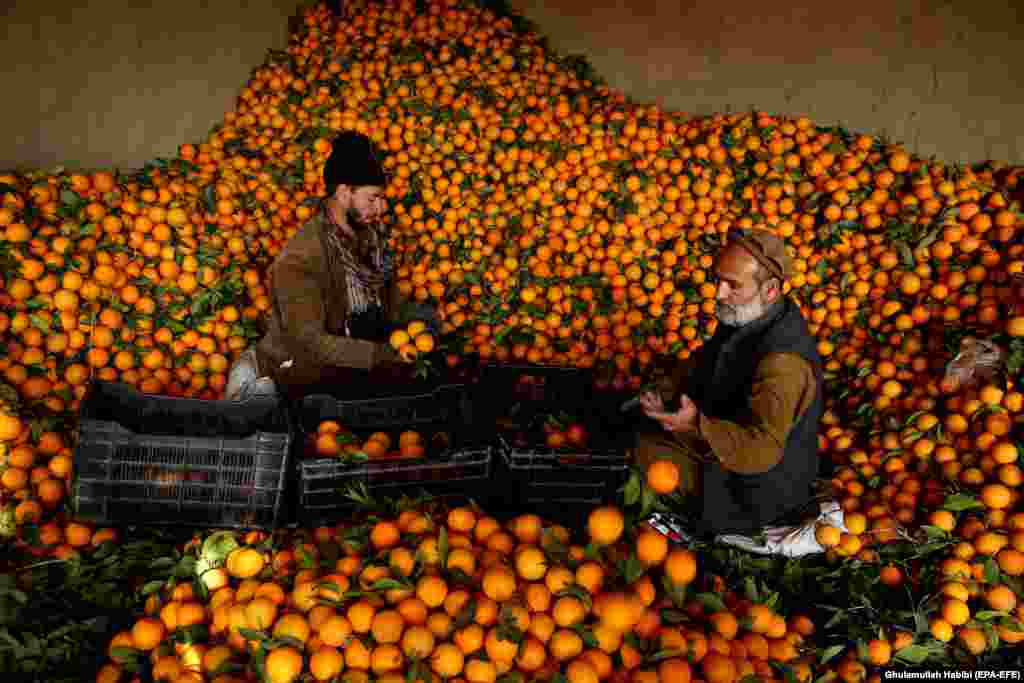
(944, 78)
(101, 83)
(106, 84)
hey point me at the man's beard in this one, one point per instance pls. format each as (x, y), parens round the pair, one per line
(738, 315)
(355, 221)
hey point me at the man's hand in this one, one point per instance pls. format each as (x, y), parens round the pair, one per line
(683, 420)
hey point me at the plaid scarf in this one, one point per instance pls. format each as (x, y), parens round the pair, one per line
(363, 276)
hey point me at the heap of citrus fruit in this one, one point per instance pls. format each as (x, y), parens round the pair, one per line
(412, 341)
(547, 219)
(334, 440)
(453, 594)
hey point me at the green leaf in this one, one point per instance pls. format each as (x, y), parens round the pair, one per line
(959, 502)
(152, 587)
(712, 602)
(123, 655)
(750, 588)
(935, 533)
(913, 654)
(252, 634)
(631, 569)
(665, 654)
(992, 573)
(306, 560)
(442, 546)
(831, 653)
(673, 617)
(40, 323)
(210, 199)
(389, 584)
(467, 615)
(217, 547)
(989, 615)
(647, 501)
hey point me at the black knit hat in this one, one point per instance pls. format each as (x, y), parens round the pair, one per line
(354, 162)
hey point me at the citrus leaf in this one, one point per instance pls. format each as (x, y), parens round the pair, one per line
(252, 634)
(831, 653)
(992, 573)
(665, 654)
(913, 654)
(988, 615)
(959, 502)
(442, 546)
(711, 602)
(389, 584)
(123, 655)
(217, 547)
(750, 588)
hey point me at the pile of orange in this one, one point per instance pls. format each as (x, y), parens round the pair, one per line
(549, 220)
(412, 341)
(455, 594)
(334, 440)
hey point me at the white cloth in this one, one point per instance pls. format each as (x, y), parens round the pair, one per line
(244, 379)
(791, 541)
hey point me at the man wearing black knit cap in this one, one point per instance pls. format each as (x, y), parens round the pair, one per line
(333, 295)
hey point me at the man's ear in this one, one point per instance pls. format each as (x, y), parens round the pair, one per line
(343, 193)
(772, 289)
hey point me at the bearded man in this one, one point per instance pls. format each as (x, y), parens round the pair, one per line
(744, 429)
(333, 297)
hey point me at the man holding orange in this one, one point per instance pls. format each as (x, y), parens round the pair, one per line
(744, 429)
(334, 300)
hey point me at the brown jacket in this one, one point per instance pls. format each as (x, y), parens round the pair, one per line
(306, 342)
(784, 387)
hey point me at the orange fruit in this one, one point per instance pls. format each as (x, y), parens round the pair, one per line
(827, 536)
(681, 566)
(245, 563)
(326, 663)
(651, 547)
(424, 343)
(531, 563)
(663, 476)
(447, 660)
(605, 525)
(385, 535)
(620, 612)
(718, 668)
(10, 427)
(148, 633)
(387, 627)
(499, 584)
(283, 664)
(398, 339)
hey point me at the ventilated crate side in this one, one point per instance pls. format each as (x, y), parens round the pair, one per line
(447, 404)
(184, 480)
(321, 481)
(571, 478)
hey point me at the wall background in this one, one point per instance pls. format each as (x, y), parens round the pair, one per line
(101, 83)
(944, 77)
(111, 84)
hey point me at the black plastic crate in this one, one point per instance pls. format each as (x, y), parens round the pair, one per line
(174, 461)
(448, 404)
(517, 409)
(464, 461)
(459, 473)
(562, 486)
(588, 477)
